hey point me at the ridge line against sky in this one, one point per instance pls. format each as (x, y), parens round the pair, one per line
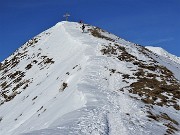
(146, 22)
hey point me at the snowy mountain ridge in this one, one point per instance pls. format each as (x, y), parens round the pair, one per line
(170, 61)
(64, 82)
(164, 53)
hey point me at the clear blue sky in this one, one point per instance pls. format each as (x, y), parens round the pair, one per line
(146, 22)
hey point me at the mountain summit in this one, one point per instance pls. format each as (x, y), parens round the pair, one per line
(65, 82)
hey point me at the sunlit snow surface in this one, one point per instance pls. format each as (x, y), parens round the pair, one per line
(89, 105)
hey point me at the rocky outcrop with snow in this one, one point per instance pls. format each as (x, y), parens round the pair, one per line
(64, 81)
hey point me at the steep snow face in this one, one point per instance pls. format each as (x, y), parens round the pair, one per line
(64, 81)
(51, 62)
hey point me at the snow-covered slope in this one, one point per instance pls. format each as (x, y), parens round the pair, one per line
(65, 82)
(160, 51)
(170, 61)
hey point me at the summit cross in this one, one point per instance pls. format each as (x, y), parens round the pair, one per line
(66, 15)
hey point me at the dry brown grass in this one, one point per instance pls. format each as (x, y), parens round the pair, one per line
(170, 123)
(64, 85)
(28, 66)
(96, 32)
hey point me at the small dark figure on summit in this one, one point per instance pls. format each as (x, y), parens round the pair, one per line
(83, 27)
